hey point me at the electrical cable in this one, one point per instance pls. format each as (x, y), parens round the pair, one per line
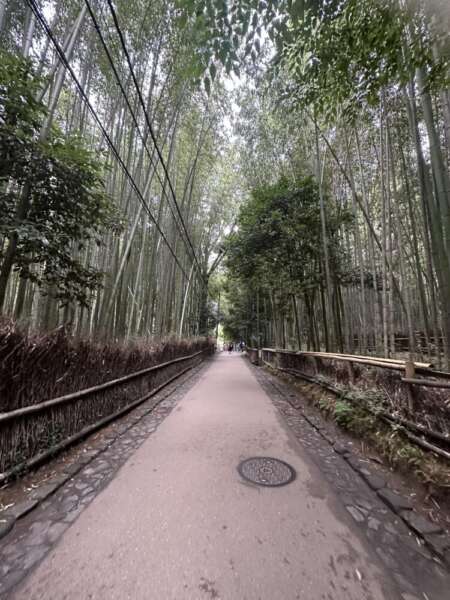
(149, 125)
(41, 18)
(130, 108)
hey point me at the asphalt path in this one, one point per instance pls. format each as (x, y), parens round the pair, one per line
(179, 522)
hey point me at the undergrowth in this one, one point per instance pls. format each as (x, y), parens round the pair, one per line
(357, 414)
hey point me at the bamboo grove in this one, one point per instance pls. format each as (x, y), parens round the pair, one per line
(356, 97)
(306, 141)
(108, 149)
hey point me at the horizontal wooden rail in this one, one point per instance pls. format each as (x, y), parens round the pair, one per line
(384, 363)
(42, 457)
(42, 406)
(434, 373)
(426, 382)
(403, 424)
(339, 356)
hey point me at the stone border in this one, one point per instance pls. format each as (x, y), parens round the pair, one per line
(432, 535)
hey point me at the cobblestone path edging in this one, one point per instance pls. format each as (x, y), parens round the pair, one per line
(402, 539)
(32, 527)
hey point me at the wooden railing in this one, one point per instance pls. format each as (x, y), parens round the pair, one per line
(406, 405)
(29, 435)
(273, 355)
(253, 354)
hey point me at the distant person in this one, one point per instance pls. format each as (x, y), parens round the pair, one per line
(230, 348)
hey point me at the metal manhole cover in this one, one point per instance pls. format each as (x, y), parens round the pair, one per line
(264, 470)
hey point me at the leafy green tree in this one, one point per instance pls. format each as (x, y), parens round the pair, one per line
(278, 249)
(239, 318)
(51, 194)
(278, 239)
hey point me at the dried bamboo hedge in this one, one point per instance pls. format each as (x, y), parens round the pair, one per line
(36, 368)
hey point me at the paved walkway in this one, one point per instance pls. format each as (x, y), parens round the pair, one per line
(178, 522)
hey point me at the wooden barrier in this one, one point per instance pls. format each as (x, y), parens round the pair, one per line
(253, 354)
(30, 434)
(410, 368)
(396, 387)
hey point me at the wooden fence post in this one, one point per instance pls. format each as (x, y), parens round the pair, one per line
(410, 372)
(351, 372)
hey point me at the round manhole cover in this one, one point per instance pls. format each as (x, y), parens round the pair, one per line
(264, 470)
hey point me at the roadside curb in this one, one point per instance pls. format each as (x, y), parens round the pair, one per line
(18, 511)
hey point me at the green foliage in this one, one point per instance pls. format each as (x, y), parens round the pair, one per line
(343, 413)
(409, 454)
(338, 54)
(340, 60)
(352, 412)
(237, 320)
(20, 114)
(277, 249)
(230, 32)
(278, 242)
(51, 193)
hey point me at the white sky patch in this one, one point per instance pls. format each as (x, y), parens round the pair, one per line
(231, 84)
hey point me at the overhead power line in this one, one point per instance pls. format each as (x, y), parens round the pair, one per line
(135, 120)
(41, 18)
(150, 128)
